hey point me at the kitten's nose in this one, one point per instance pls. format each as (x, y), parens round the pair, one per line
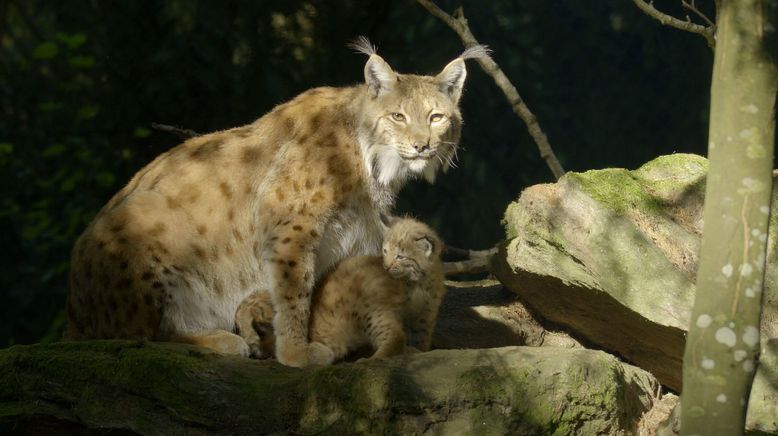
(421, 146)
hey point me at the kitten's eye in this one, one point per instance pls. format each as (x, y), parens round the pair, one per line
(436, 118)
(398, 117)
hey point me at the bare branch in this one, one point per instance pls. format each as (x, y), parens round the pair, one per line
(181, 133)
(470, 266)
(462, 252)
(485, 283)
(458, 23)
(709, 33)
(692, 7)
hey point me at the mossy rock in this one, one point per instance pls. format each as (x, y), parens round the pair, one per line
(611, 255)
(154, 388)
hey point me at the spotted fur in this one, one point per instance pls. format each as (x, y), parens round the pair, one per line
(382, 302)
(271, 205)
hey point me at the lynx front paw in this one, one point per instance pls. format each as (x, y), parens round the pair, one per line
(217, 340)
(228, 343)
(320, 354)
(300, 355)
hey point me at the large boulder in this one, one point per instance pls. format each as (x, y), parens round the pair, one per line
(153, 388)
(611, 256)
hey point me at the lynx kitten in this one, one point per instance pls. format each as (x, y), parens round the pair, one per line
(367, 300)
(271, 205)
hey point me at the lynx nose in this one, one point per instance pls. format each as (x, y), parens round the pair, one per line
(421, 146)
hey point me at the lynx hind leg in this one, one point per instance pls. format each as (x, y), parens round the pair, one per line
(220, 341)
(254, 321)
(387, 334)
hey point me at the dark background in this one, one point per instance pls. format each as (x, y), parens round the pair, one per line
(82, 81)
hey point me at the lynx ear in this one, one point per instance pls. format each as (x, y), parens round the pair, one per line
(379, 76)
(426, 245)
(452, 79)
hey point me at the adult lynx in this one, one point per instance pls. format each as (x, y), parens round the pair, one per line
(271, 205)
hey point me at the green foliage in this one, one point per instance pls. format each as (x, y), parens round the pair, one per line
(81, 82)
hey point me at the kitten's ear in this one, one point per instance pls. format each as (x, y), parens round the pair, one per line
(426, 245)
(387, 221)
(452, 79)
(379, 76)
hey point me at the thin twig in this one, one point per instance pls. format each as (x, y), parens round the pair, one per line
(709, 33)
(458, 23)
(470, 266)
(463, 252)
(485, 283)
(691, 6)
(181, 133)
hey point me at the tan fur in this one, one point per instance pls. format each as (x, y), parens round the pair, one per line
(368, 300)
(271, 205)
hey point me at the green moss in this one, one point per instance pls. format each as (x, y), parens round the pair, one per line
(509, 221)
(157, 388)
(616, 188)
(672, 165)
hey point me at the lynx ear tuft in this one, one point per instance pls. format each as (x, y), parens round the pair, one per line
(363, 45)
(379, 76)
(476, 52)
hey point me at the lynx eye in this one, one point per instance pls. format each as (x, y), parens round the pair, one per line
(398, 117)
(436, 118)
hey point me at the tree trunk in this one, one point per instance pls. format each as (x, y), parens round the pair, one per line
(723, 340)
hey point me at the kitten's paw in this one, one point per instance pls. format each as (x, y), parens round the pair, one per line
(320, 354)
(256, 351)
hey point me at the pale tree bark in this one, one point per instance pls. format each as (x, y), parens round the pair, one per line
(723, 341)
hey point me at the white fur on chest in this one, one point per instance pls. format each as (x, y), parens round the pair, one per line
(354, 231)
